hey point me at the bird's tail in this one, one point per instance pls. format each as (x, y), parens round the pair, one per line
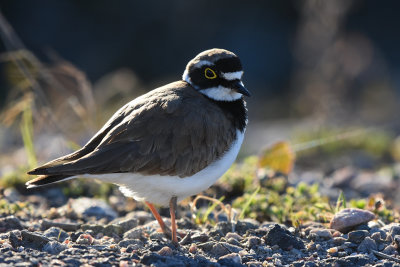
(47, 179)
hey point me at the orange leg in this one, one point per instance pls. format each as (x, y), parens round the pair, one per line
(156, 215)
(172, 209)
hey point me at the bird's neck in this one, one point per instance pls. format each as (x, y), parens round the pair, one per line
(236, 111)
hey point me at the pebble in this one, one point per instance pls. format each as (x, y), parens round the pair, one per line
(321, 233)
(93, 207)
(219, 250)
(234, 236)
(276, 235)
(10, 223)
(357, 236)
(136, 233)
(33, 240)
(69, 227)
(85, 239)
(367, 245)
(253, 241)
(231, 259)
(200, 237)
(56, 234)
(165, 251)
(347, 219)
(54, 247)
(127, 242)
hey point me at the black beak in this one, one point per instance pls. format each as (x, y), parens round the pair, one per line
(238, 87)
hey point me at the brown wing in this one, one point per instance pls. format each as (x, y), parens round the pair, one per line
(173, 130)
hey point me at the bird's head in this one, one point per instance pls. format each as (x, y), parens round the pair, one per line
(216, 73)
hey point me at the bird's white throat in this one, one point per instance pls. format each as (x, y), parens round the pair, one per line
(221, 93)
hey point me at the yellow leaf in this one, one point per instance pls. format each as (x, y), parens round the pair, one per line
(279, 157)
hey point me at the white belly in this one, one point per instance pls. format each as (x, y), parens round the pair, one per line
(159, 189)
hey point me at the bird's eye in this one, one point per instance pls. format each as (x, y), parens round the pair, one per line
(210, 74)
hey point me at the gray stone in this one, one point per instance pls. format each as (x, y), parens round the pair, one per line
(33, 240)
(276, 235)
(94, 228)
(56, 234)
(113, 229)
(12, 195)
(54, 247)
(136, 233)
(253, 241)
(207, 246)
(390, 250)
(243, 225)
(93, 207)
(199, 237)
(367, 245)
(394, 230)
(347, 219)
(357, 236)
(69, 227)
(219, 250)
(128, 224)
(232, 259)
(10, 223)
(324, 234)
(127, 242)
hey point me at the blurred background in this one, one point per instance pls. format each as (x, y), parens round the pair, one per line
(319, 71)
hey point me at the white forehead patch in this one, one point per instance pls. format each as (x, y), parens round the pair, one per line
(186, 77)
(201, 63)
(221, 93)
(230, 76)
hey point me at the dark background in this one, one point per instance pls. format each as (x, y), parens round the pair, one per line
(156, 38)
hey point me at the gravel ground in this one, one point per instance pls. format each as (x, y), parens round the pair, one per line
(92, 232)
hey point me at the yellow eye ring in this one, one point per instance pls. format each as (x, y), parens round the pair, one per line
(210, 74)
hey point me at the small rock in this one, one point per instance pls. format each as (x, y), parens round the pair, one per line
(207, 246)
(157, 236)
(127, 242)
(113, 229)
(223, 228)
(193, 249)
(136, 233)
(321, 233)
(390, 250)
(56, 234)
(93, 207)
(232, 259)
(69, 227)
(12, 195)
(10, 223)
(233, 241)
(33, 240)
(276, 235)
(338, 240)
(243, 226)
(234, 236)
(253, 241)
(85, 239)
(128, 224)
(200, 237)
(95, 228)
(367, 245)
(376, 236)
(357, 236)
(219, 250)
(142, 216)
(165, 251)
(54, 247)
(394, 230)
(347, 219)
